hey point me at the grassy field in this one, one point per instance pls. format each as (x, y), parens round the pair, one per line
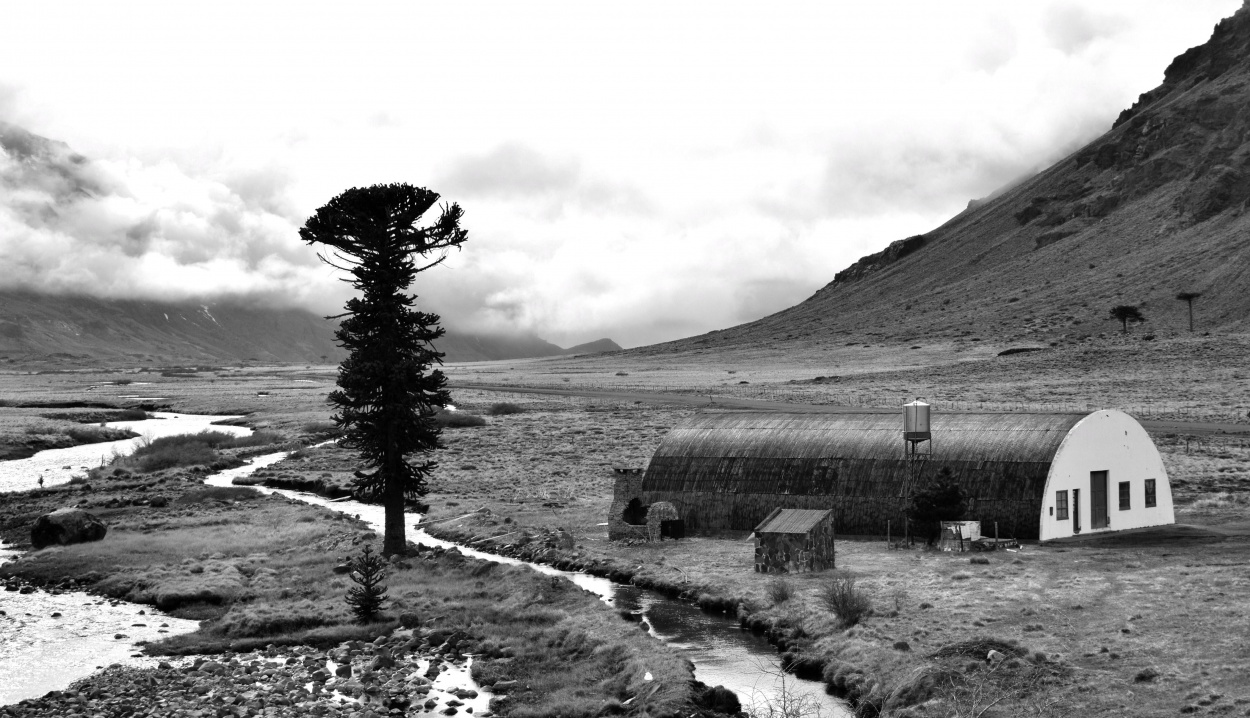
(1126, 629)
(260, 570)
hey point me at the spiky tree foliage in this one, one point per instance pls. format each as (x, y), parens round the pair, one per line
(1126, 313)
(367, 596)
(1188, 298)
(387, 392)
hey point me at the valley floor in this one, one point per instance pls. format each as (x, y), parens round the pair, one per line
(1137, 629)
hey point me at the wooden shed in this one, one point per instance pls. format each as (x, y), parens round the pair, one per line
(1037, 475)
(793, 540)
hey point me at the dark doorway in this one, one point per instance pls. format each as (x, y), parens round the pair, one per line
(1076, 511)
(1098, 516)
(635, 513)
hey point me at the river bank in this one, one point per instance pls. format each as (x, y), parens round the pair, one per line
(269, 576)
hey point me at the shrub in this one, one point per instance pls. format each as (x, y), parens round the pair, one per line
(842, 597)
(97, 434)
(505, 407)
(458, 420)
(190, 449)
(780, 590)
(366, 597)
(322, 428)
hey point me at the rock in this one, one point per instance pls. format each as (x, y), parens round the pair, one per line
(343, 568)
(503, 686)
(66, 526)
(158, 502)
(719, 699)
(344, 670)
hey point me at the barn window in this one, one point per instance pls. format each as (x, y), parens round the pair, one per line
(1061, 505)
(1124, 496)
(1150, 493)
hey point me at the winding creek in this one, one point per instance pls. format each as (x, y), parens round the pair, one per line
(39, 653)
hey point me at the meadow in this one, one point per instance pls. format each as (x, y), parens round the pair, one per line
(1111, 629)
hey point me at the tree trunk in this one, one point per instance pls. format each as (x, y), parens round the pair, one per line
(394, 541)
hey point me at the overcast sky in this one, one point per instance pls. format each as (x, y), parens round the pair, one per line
(643, 171)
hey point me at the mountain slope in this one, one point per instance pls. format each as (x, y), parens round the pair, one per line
(1154, 207)
(84, 328)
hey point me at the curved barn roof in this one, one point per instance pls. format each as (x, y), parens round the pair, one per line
(956, 436)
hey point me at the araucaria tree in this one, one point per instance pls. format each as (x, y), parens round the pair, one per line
(1126, 313)
(366, 597)
(1188, 298)
(388, 389)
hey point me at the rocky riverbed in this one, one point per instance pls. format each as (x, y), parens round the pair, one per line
(410, 672)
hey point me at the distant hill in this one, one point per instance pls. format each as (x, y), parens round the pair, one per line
(1155, 207)
(79, 329)
(598, 346)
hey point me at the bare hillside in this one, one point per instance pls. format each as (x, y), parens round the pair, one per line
(1155, 207)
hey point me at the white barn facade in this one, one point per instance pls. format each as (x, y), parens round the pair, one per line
(1106, 476)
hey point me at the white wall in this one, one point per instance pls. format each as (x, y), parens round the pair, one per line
(1114, 442)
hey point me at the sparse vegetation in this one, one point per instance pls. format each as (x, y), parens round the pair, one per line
(458, 420)
(841, 596)
(200, 449)
(780, 590)
(504, 408)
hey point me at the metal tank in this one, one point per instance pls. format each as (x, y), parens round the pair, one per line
(916, 422)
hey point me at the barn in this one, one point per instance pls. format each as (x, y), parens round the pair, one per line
(1038, 476)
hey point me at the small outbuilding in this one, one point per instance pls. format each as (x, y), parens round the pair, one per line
(1037, 476)
(794, 540)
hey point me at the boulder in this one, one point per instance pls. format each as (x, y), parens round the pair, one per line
(66, 526)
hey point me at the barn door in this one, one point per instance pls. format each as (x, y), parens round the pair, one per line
(1098, 518)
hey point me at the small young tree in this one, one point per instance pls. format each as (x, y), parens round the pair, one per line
(366, 597)
(941, 500)
(1126, 313)
(1188, 298)
(387, 395)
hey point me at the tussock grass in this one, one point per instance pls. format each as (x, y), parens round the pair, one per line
(458, 420)
(841, 596)
(199, 449)
(503, 408)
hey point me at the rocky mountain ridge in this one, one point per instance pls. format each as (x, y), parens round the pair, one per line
(1153, 208)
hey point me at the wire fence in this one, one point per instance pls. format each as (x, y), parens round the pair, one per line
(1187, 411)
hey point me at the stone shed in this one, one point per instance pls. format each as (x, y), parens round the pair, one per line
(794, 540)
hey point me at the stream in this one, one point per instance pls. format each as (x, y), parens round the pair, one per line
(40, 652)
(722, 652)
(58, 466)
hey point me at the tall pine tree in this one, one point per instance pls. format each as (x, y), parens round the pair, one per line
(388, 389)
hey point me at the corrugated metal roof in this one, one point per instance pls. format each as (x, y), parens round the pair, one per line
(791, 521)
(956, 437)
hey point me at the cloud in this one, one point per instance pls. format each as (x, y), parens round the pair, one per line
(511, 170)
(1073, 28)
(70, 224)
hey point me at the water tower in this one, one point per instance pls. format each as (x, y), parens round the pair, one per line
(917, 439)
(917, 444)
